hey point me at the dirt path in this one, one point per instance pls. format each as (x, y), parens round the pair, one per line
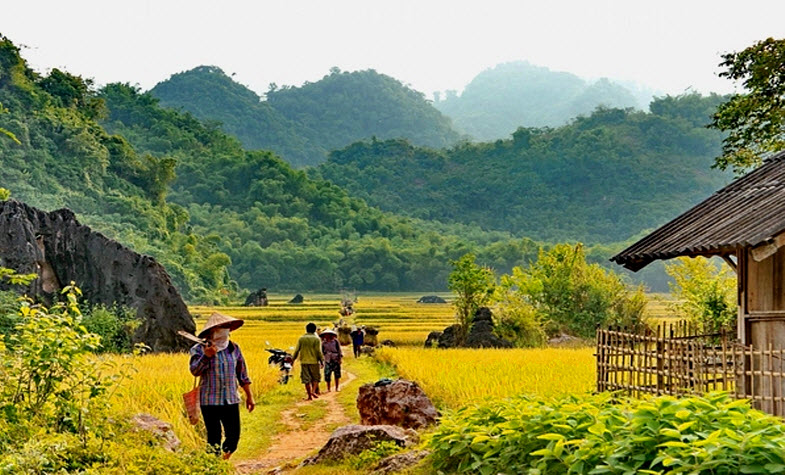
(301, 438)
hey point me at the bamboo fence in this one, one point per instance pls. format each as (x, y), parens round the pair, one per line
(679, 360)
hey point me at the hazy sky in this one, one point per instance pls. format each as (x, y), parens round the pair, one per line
(431, 45)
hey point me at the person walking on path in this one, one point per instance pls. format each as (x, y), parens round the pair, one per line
(221, 365)
(309, 350)
(357, 340)
(332, 357)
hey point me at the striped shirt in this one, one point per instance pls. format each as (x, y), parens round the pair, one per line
(332, 351)
(220, 374)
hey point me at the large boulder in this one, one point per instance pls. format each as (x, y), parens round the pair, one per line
(401, 403)
(297, 299)
(449, 337)
(257, 299)
(60, 250)
(354, 439)
(431, 299)
(433, 339)
(481, 334)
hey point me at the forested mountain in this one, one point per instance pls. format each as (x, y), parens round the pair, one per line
(217, 216)
(518, 94)
(602, 178)
(64, 158)
(302, 124)
(209, 94)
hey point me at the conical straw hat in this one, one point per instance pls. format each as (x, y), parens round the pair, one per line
(220, 320)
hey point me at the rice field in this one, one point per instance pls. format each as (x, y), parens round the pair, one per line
(453, 378)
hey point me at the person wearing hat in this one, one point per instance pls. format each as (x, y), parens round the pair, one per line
(331, 348)
(309, 350)
(222, 368)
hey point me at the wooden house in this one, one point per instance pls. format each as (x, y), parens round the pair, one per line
(744, 224)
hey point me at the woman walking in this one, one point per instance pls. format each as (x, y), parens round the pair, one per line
(331, 349)
(222, 368)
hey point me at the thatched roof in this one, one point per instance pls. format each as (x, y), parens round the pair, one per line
(748, 212)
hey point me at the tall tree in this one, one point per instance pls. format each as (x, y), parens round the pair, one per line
(755, 119)
(473, 285)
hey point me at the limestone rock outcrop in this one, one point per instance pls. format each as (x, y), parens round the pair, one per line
(257, 299)
(59, 249)
(480, 334)
(401, 403)
(354, 439)
(433, 339)
(449, 337)
(431, 299)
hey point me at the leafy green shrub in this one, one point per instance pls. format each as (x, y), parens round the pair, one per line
(9, 312)
(516, 319)
(115, 326)
(55, 415)
(473, 285)
(127, 452)
(597, 434)
(705, 294)
(567, 294)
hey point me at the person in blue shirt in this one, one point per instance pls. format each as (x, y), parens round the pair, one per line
(358, 336)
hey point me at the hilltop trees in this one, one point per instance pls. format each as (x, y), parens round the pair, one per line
(602, 178)
(302, 124)
(276, 227)
(518, 94)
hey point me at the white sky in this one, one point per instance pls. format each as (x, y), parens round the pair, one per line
(431, 45)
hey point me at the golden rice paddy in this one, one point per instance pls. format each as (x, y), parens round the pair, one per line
(453, 378)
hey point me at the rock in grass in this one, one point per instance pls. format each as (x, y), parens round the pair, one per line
(401, 403)
(160, 429)
(400, 462)
(354, 439)
(431, 299)
(433, 339)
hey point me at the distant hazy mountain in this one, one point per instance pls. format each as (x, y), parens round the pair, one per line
(519, 94)
(303, 123)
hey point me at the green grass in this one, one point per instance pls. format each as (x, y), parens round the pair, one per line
(309, 414)
(260, 427)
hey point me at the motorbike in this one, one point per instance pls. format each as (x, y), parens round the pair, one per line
(283, 360)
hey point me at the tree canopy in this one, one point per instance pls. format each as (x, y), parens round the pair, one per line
(302, 124)
(603, 178)
(754, 119)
